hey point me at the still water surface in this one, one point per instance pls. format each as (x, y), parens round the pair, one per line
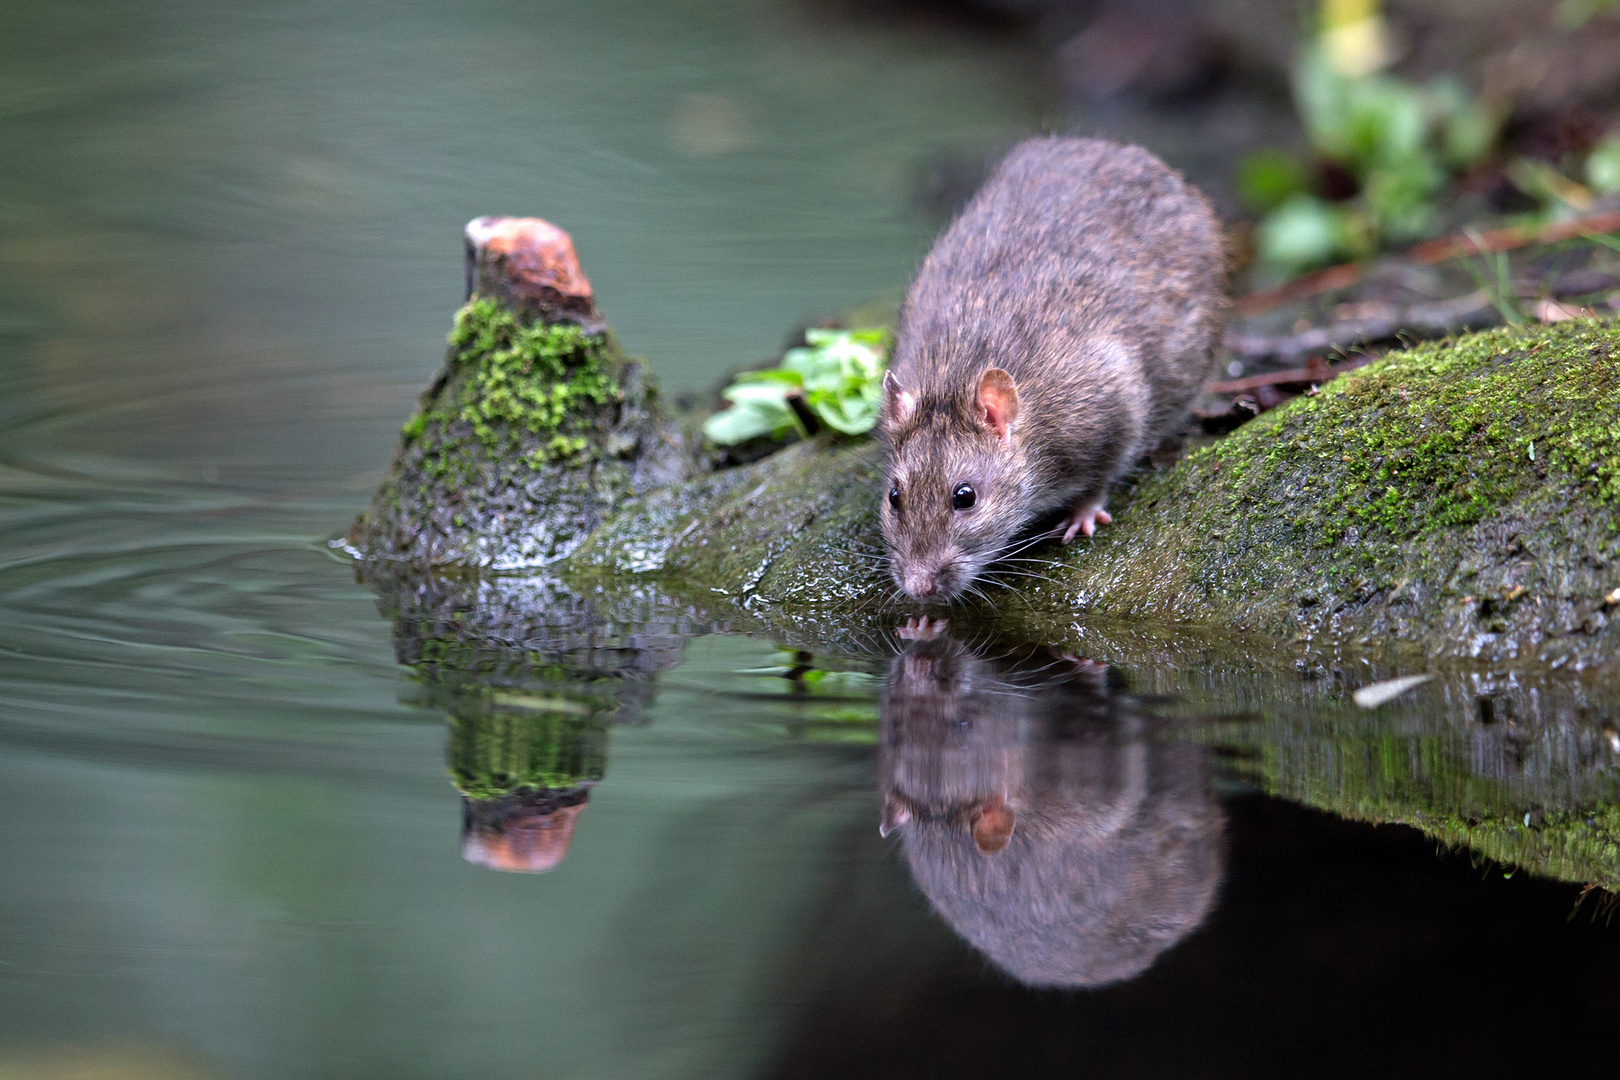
(228, 252)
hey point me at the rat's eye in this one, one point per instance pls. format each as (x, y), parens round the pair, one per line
(894, 496)
(963, 497)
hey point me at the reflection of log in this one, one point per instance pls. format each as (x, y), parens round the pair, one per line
(524, 761)
(500, 750)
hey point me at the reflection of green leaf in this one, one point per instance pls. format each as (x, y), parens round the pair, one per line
(840, 373)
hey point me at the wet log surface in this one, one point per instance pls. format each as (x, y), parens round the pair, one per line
(1452, 500)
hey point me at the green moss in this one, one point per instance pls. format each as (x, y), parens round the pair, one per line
(1390, 506)
(1461, 496)
(506, 378)
(1438, 437)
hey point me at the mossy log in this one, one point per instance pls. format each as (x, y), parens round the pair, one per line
(1453, 508)
(1459, 499)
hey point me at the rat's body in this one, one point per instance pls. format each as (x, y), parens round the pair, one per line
(1057, 331)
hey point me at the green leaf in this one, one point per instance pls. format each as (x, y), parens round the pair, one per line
(1268, 178)
(852, 416)
(1603, 167)
(840, 372)
(756, 393)
(749, 421)
(770, 375)
(1322, 97)
(1386, 122)
(1467, 130)
(1301, 232)
(1400, 196)
(1574, 14)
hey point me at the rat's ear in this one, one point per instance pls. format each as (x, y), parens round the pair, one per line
(998, 401)
(895, 814)
(899, 404)
(993, 825)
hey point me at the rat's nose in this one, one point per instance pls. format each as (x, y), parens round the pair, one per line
(921, 583)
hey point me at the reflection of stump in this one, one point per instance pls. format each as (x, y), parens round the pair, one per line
(524, 763)
(526, 833)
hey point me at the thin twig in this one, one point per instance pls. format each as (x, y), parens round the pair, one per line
(801, 409)
(1428, 253)
(1426, 320)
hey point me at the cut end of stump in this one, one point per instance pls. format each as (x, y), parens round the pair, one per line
(530, 266)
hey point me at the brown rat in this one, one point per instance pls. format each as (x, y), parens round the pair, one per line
(1057, 331)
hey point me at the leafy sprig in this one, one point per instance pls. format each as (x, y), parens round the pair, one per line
(838, 375)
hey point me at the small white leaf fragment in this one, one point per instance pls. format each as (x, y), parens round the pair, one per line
(1552, 311)
(1370, 697)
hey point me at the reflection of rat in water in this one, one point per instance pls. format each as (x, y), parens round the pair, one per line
(1041, 824)
(1056, 332)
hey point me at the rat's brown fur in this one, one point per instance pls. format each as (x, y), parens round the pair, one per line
(1093, 275)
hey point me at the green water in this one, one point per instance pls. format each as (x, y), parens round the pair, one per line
(231, 846)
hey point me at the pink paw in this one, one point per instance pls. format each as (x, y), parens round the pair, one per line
(1084, 520)
(920, 629)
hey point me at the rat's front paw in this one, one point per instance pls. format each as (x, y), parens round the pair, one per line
(1084, 519)
(921, 628)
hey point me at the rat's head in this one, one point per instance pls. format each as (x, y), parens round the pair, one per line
(953, 496)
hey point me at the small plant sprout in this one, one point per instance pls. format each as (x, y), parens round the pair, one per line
(838, 374)
(1493, 276)
(1390, 147)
